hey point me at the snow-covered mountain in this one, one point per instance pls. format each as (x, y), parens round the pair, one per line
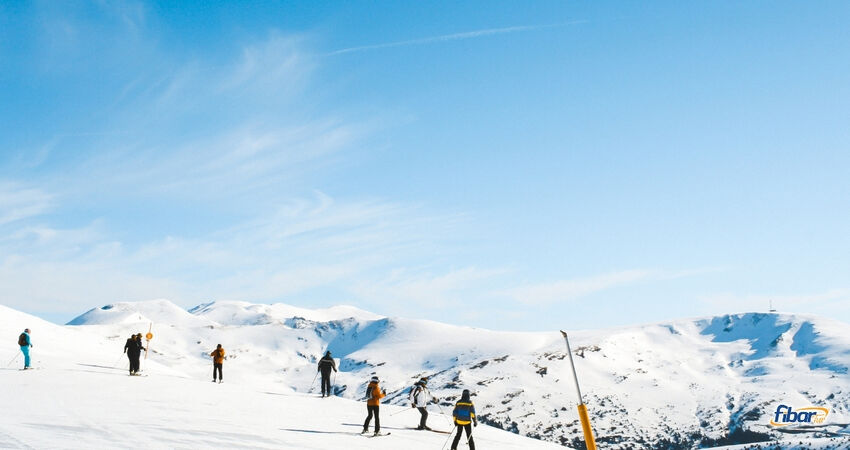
(684, 384)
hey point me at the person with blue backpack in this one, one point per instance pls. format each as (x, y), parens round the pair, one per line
(25, 342)
(464, 414)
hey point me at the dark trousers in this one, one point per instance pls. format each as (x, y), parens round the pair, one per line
(217, 367)
(460, 428)
(326, 383)
(134, 363)
(373, 410)
(424, 418)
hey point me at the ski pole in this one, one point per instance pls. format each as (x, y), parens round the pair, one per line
(468, 438)
(115, 364)
(451, 424)
(447, 440)
(314, 381)
(333, 385)
(13, 359)
(403, 410)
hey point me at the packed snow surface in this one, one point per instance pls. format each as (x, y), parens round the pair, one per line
(689, 383)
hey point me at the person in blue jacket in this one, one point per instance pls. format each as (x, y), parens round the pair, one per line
(25, 342)
(464, 415)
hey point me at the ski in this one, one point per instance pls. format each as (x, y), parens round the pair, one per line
(429, 429)
(377, 435)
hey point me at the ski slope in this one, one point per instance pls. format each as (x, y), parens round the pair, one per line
(690, 383)
(81, 397)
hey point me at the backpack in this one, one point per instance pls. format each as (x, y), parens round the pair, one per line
(22, 339)
(415, 392)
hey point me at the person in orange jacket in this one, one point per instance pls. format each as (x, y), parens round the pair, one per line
(374, 394)
(218, 362)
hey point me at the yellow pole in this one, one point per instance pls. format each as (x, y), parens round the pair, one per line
(589, 441)
(585, 427)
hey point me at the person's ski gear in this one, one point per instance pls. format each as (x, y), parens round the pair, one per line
(326, 364)
(420, 396)
(373, 411)
(218, 362)
(469, 440)
(218, 355)
(377, 434)
(464, 412)
(133, 348)
(25, 343)
(26, 351)
(374, 394)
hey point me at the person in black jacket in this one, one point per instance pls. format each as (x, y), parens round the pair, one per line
(133, 348)
(326, 364)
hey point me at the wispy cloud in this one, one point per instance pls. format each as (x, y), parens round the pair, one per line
(452, 37)
(825, 302)
(310, 243)
(570, 290)
(420, 288)
(19, 202)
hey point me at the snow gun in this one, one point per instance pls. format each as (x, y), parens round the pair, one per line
(589, 441)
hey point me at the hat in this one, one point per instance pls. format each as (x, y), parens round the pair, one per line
(423, 380)
(27, 330)
(375, 378)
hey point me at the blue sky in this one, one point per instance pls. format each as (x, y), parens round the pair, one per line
(508, 165)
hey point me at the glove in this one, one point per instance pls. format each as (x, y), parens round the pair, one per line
(413, 406)
(474, 423)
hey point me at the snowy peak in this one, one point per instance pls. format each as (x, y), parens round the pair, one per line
(782, 335)
(243, 313)
(158, 311)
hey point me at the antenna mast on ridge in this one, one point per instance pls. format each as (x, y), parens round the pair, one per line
(771, 307)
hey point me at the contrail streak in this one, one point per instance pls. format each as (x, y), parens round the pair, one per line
(452, 37)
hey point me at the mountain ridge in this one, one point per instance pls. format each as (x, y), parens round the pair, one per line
(688, 382)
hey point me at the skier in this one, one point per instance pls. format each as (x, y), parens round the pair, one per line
(374, 394)
(464, 413)
(420, 396)
(26, 343)
(133, 349)
(218, 361)
(325, 365)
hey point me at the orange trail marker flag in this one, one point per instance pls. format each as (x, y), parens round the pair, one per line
(148, 337)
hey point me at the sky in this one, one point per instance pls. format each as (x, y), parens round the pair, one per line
(507, 165)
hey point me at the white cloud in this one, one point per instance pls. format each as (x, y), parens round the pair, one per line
(825, 302)
(570, 290)
(18, 202)
(423, 289)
